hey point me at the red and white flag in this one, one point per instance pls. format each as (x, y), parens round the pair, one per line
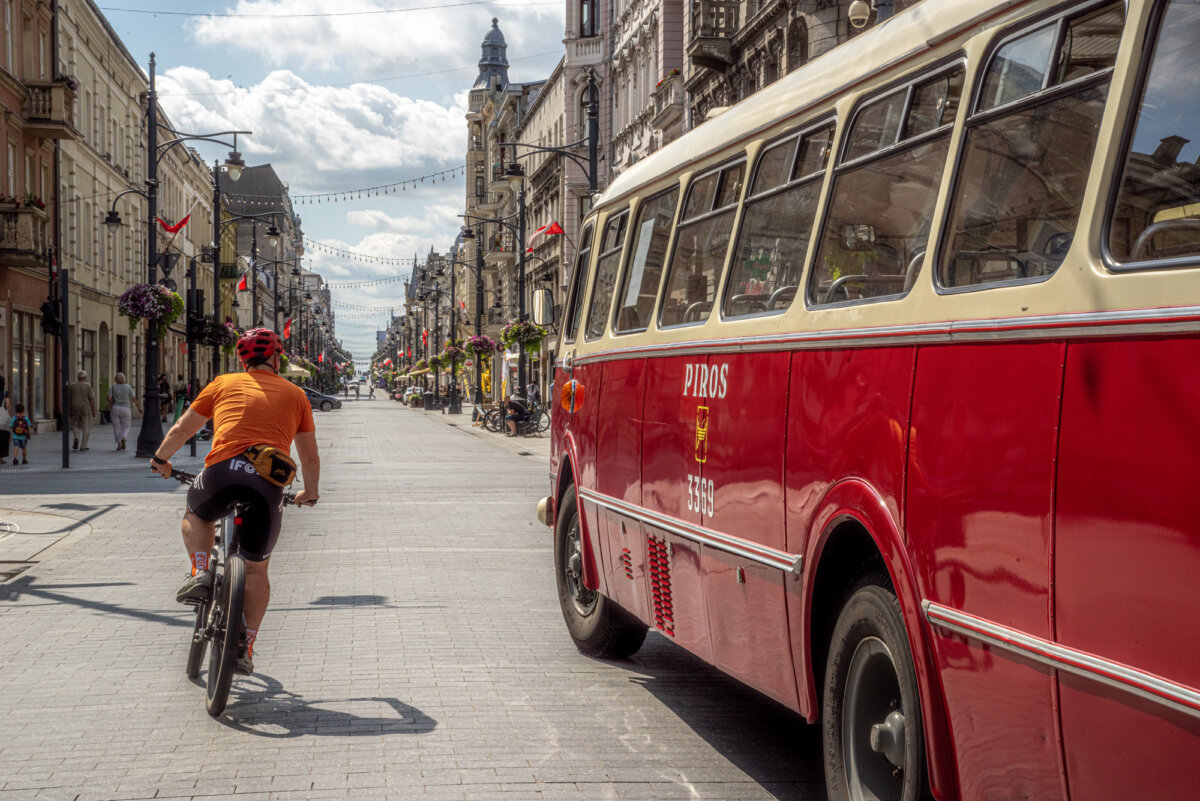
(244, 283)
(287, 328)
(424, 336)
(177, 227)
(320, 358)
(387, 362)
(549, 229)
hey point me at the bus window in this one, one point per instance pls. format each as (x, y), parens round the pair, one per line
(877, 228)
(701, 245)
(578, 282)
(776, 226)
(648, 252)
(1157, 211)
(1020, 184)
(606, 274)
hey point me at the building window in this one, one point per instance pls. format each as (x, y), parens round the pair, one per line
(797, 45)
(587, 18)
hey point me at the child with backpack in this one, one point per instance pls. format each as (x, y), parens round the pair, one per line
(22, 430)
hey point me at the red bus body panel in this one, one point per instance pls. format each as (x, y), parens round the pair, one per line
(1127, 561)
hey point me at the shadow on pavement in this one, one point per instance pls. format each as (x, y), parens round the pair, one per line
(771, 744)
(28, 586)
(352, 600)
(259, 705)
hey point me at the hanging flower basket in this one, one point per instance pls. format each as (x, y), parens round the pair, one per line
(482, 345)
(153, 303)
(219, 335)
(453, 354)
(420, 365)
(527, 335)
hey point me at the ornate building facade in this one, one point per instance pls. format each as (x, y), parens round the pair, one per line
(646, 65)
(733, 48)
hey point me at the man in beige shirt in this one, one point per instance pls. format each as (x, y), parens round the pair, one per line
(82, 407)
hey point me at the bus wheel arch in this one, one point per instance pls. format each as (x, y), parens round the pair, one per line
(857, 538)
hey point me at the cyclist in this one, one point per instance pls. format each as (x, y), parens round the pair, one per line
(257, 407)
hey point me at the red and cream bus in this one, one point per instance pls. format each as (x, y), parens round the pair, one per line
(881, 392)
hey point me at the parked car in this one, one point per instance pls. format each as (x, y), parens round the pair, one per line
(320, 400)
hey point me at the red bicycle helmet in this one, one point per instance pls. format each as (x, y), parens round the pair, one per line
(261, 342)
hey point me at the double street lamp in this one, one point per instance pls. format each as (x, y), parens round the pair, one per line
(151, 434)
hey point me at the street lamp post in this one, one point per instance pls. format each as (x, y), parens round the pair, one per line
(150, 434)
(476, 236)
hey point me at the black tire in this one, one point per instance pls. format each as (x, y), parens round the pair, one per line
(543, 421)
(494, 421)
(199, 643)
(598, 626)
(870, 694)
(228, 634)
(326, 406)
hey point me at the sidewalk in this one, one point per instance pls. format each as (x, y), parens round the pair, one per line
(45, 452)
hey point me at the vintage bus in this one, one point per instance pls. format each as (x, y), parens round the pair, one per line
(880, 391)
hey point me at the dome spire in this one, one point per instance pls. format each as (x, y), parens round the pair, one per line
(492, 59)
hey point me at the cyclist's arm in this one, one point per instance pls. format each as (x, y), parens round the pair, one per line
(310, 466)
(181, 432)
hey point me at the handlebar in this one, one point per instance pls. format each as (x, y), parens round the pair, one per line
(184, 477)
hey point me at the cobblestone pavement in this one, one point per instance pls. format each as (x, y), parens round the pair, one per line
(413, 650)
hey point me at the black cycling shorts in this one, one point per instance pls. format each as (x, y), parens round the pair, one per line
(234, 480)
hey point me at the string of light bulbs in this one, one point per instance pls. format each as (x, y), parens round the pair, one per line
(350, 255)
(360, 307)
(381, 189)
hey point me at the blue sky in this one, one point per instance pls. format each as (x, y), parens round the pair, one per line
(341, 96)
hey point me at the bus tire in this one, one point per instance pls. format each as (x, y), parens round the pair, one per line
(871, 728)
(598, 626)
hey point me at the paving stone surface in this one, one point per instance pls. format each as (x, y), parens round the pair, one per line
(413, 649)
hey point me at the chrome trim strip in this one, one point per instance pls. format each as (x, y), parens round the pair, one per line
(781, 560)
(1134, 321)
(1070, 660)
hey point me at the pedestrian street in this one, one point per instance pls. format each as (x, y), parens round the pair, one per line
(414, 647)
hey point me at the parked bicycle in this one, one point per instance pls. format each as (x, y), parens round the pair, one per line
(219, 620)
(537, 421)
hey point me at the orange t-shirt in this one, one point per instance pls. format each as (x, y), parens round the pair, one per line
(253, 408)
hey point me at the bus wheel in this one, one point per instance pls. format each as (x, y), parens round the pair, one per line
(599, 627)
(871, 715)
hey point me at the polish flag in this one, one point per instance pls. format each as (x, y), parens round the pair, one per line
(320, 358)
(410, 353)
(287, 328)
(424, 336)
(387, 362)
(549, 229)
(177, 227)
(243, 284)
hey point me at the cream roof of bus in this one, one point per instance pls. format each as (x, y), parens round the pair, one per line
(1082, 285)
(930, 21)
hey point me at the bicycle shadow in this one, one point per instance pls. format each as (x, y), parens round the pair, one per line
(260, 706)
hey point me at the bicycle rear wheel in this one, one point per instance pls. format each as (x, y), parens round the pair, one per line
(494, 421)
(199, 642)
(543, 421)
(228, 634)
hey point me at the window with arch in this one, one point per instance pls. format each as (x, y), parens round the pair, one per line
(797, 44)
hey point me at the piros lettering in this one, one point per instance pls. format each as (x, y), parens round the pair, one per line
(705, 381)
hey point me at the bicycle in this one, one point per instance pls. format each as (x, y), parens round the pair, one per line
(224, 604)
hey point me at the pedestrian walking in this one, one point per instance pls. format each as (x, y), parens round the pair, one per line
(164, 396)
(120, 396)
(179, 391)
(5, 417)
(82, 409)
(22, 430)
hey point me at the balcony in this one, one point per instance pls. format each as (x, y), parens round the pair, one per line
(502, 249)
(50, 110)
(713, 27)
(584, 52)
(668, 107)
(24, 236)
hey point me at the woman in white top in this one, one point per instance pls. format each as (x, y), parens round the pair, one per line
(120, 395)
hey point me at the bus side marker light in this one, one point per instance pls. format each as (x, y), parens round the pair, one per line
(572, 396)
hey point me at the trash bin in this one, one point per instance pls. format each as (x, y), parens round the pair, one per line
(429, 404)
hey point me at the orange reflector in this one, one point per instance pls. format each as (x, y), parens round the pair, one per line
(572, 396)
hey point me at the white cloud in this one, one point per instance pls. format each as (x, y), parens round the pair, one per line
(319, 135)
(380, 44)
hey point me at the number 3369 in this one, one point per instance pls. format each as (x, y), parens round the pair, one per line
(701, 494)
